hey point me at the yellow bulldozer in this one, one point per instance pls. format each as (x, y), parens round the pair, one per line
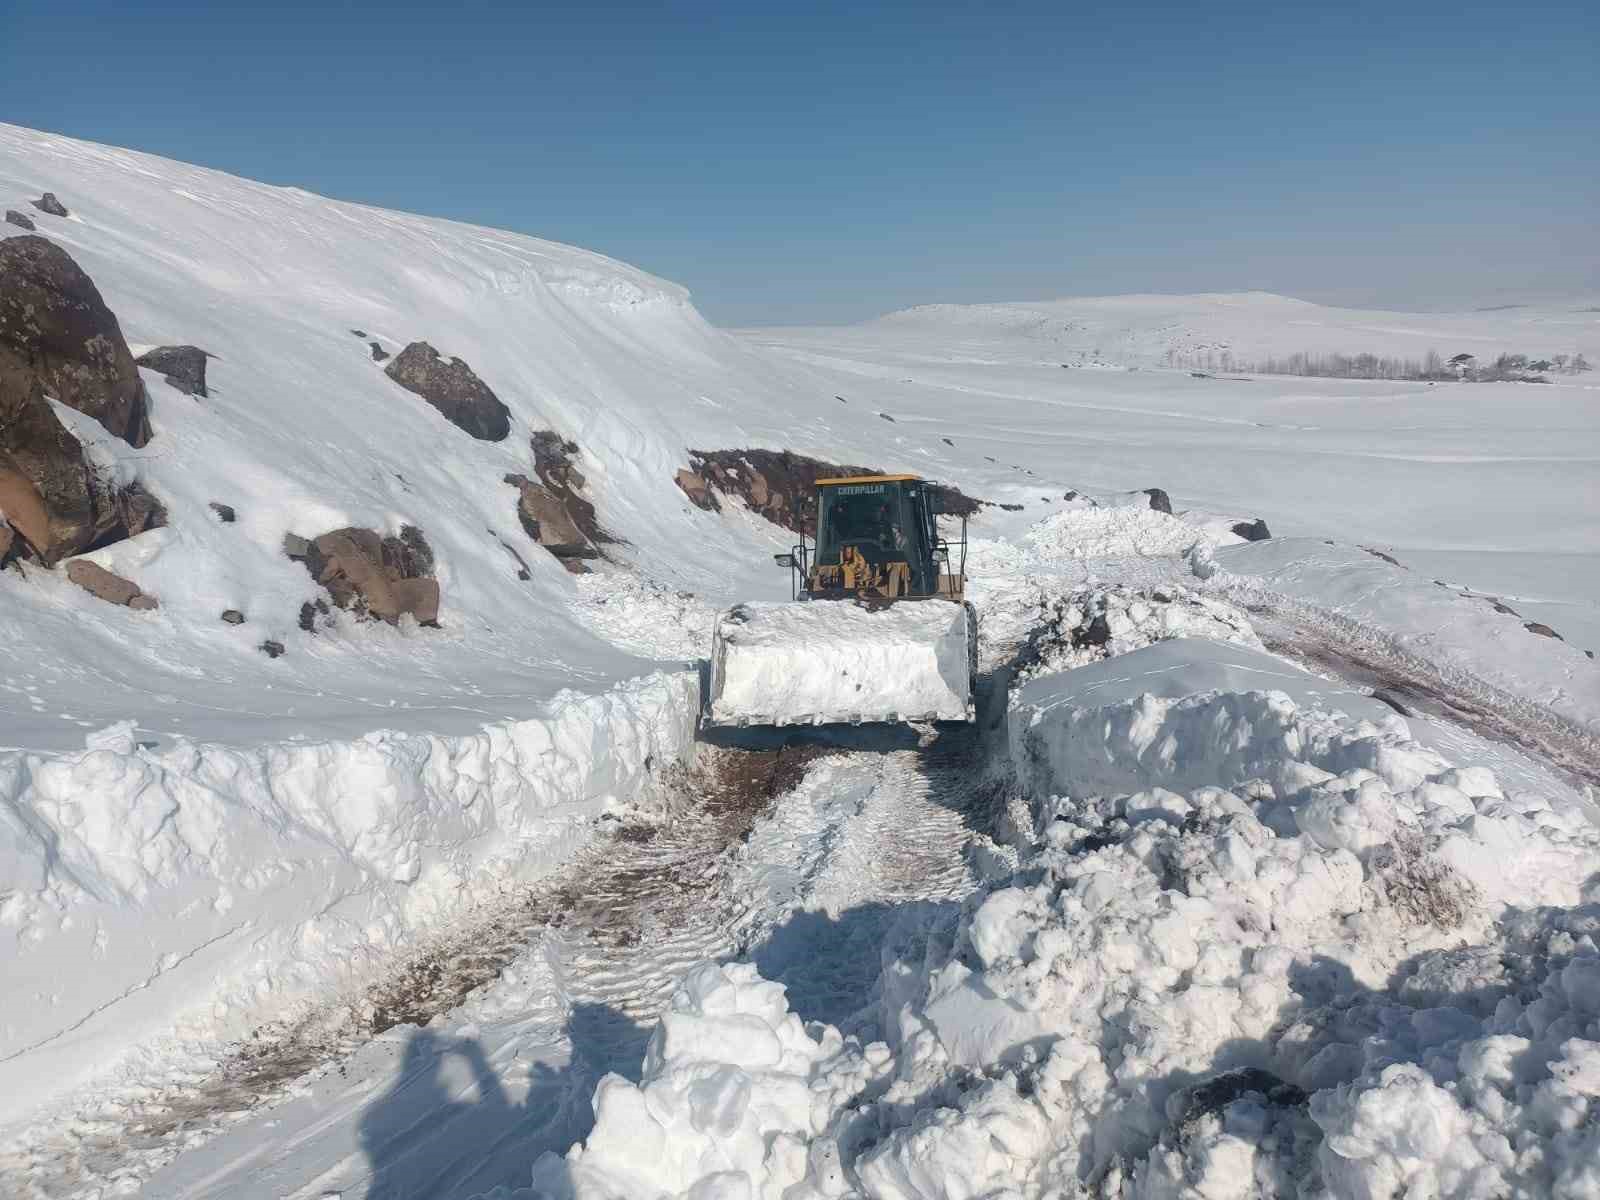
(878, 628)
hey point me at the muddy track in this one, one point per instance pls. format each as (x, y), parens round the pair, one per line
(604, 895)
(1410, 685)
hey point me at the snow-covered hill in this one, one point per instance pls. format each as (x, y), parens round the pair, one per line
(197, 838)
(1250, 327)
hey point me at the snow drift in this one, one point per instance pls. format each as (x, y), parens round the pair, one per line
(1258, 947)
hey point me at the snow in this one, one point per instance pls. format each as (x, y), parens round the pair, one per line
(1297, 950)
(809, 663)
(1253, 932)
(1418, 617)
(195, 887)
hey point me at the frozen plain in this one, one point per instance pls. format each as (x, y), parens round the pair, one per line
(121, 987)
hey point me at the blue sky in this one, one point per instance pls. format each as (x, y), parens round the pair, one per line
(817, 163)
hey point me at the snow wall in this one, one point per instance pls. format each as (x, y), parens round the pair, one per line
(220, 885)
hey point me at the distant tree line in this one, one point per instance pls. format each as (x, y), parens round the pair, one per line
(1517, 367)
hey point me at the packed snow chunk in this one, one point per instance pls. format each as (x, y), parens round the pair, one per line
(1087, 624)
(1189, 712)
(836, 661)
(1089, 533)
(732, 1091)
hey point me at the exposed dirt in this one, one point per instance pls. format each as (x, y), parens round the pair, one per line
(781, 485)
(1412, 688)
(644, 872)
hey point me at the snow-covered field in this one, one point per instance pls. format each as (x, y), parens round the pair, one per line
(1179, 919)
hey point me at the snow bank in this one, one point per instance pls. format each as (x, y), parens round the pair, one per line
(806, 663)
(204, 885)
(1258, 948)
(1123, 532)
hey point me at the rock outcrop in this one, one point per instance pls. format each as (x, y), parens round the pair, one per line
(48, 203)
(56, 329)
(47, 491)
(183, 366)
(382, 577)
(1159, 500)
(20, 220)
(452, 387)
(113, 589)
(1257, 531)
(781, 485)
(554, 511)
(547, 521)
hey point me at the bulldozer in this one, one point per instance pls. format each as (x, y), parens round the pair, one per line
(877, 629)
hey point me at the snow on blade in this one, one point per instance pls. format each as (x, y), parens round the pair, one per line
(828, 661)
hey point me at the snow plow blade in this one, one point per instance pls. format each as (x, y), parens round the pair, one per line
(835, 661)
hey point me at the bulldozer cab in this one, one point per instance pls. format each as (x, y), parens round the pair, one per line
(877, 538)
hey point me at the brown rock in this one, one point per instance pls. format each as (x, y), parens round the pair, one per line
(386, 577)
(48, 203)
(419, 597)
(451, 386)
(183, 366)
(547, 521)
(696, 489)
(37, 449)
(8, 539)
(97, 581)
(55, 329)
(1543, 630)
(144, 603)
(20, 220)
(23, 508)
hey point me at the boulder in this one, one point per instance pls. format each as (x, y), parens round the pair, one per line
(1257, 531)
(137, 510)
(378, 352)
(48, 492)
(183, 366)
(452, 387)
(694, 487)
(1159, 500)
(271, 649)
(22, 509)
(55, 329)
(547, 521)
(1542, 630)
(48, 203)
(224, 512)
(385, 577)
(113, 589)
(233, 616)
(20, 220)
